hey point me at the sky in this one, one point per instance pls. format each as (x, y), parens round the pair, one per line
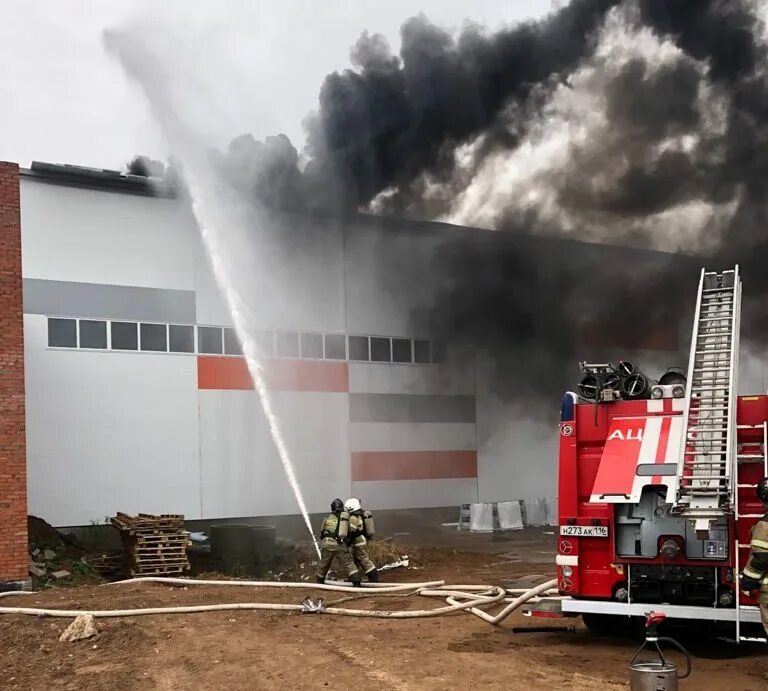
(63, 99)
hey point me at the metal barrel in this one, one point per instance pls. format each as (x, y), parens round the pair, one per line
(238, 548)
(264, 543)
(653, 675)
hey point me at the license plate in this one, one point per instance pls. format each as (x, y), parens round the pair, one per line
(584, 530)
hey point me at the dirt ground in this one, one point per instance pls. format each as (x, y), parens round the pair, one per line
(268, 650)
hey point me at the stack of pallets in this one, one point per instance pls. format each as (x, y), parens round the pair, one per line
(153, 545)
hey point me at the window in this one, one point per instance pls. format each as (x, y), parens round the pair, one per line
(358, 348)
(335, 347)
(438, 352)
(401, 350)
(381, 350)
(62, 333)
(154, 337)
(312, 346)
(287, 344)
(181, 339)
(93, 334)
(421, 352)
(209, 340)
(232, 343)
(265, 343)
(125, 336)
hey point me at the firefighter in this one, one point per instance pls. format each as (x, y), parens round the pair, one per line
(755, 574)
(333, 544)
(361, 530)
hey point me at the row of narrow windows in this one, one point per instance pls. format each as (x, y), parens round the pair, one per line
(99, 334)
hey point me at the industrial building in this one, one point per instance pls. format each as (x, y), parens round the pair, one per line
(137, 397)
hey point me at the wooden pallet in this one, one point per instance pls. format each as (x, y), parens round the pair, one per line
(153, 545)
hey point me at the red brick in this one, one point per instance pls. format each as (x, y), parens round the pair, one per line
(13, 462)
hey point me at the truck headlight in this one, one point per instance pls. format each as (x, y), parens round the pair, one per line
(657, 392)
(567, 571)
(678, 391)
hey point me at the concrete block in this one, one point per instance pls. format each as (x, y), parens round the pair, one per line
(49, 555)
(36, 571)
(61, 575)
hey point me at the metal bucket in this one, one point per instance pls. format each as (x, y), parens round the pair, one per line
(653, 675)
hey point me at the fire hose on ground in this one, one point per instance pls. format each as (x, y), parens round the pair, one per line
(460, 598)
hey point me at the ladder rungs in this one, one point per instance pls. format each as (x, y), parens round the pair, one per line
(718, 290)
(749, 455)
(750, 426)
(727, 317)
(712, 352)
(699, 389)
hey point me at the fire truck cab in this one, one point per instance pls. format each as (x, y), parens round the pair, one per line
(657, 491)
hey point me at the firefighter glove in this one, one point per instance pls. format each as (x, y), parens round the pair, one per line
(749, 584)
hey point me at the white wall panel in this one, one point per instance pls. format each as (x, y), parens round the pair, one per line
(242, 474)
(109, 432)
(413, 379)
(409, 436)
(408, 494)
(289, 277)
(89, 236)
(388, 282)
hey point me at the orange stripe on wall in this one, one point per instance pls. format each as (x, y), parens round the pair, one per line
(231, 373)
(413, 465)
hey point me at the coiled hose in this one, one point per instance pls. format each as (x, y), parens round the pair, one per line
(458, 597)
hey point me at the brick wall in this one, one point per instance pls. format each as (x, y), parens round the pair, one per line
(13, 464)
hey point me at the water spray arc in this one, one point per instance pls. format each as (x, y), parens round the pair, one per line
(207, 196)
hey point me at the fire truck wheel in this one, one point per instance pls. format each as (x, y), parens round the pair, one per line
(600, 624)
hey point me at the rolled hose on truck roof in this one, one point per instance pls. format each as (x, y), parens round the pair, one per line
(475, 597)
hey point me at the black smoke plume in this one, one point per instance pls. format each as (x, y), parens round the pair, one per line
(679, 161)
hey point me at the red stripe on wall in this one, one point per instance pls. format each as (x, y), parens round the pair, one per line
(413, 465)
(231, 373)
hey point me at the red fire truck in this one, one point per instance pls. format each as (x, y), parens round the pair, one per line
(657, 490)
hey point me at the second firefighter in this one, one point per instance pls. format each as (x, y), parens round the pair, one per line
(333, 544)
(361, 531)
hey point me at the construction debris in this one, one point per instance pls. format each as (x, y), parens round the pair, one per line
(60, 575)
(107, 564)
(83, 627)
(153, 545)
(37, 570)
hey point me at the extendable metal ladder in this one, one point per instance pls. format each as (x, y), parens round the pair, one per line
(706, 467)
(742, 549)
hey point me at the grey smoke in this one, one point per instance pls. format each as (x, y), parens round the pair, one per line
(634, 122)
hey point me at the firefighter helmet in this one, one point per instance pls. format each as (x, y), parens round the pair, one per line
(337, 505)
(352, 504)
(762, 490)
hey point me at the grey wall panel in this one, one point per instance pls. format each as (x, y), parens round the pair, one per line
(412, 436)
(67, 298)
(407, 408)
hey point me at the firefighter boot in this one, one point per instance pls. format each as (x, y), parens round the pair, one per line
(356, 580)
(320, 579)
(373, 576)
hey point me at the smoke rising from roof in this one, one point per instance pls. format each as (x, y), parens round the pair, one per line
(623, 122)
